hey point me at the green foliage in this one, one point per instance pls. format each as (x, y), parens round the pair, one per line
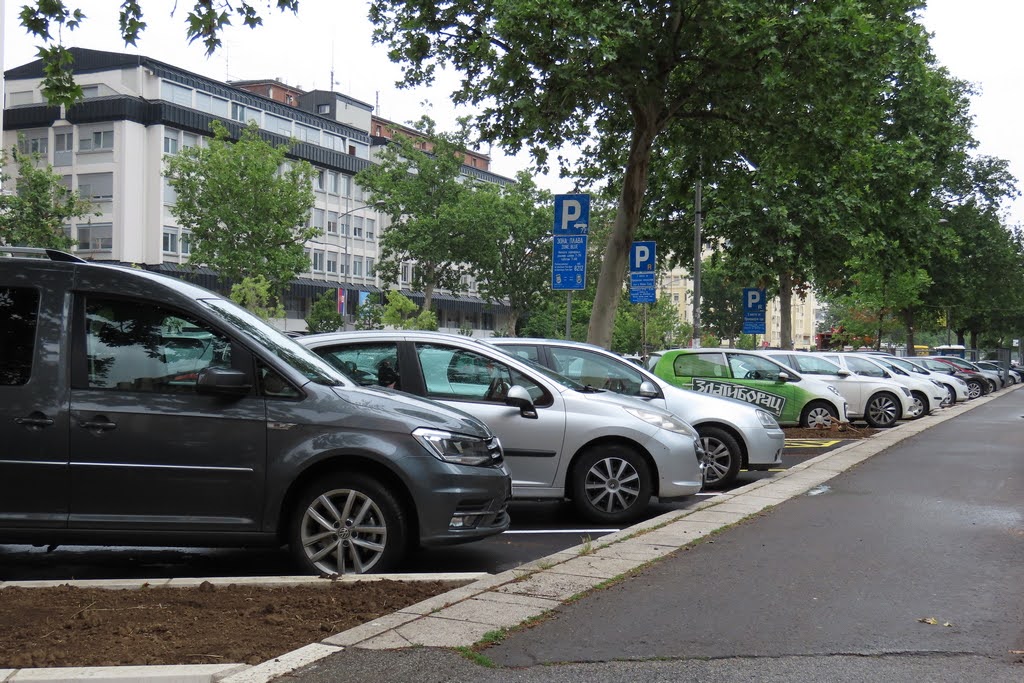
(721, 305)
(402, 313)
(35, 214)
(665, 329)
(247, 216)
(256, 295)
(747, 342)
(323, 314)
(370, 316)
(426, 197)
(204, 22)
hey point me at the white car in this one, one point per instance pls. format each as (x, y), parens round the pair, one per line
(956, 389)
(926, 394)
(879, 401)
(608, 453)
(734, 434)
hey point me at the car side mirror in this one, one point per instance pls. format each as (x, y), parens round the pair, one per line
(222, 382)
(518, 397)
(843, 372)
(648, 389)
(784, 376)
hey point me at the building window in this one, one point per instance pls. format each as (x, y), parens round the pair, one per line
(189, 140)
(97, 140)
(335, 142)
(211, 105)
(332, 263)
(343, 225)
(90, 91)
(239, 112)
(344, 264)
(63, 148)
(405, 273)
(357, 226)
(171, 142)
(318, 218)
(323, 109)
(319, 181)
(96, 237)
(332, 222)
(307, 134)
(332, 182)
(369, 266)
(371, 226)
(277, 124)
(318, 261)
(358, 193)
(96, 187)
(346, 186)
(170, 194)
(179, 94)
(186, 243)
(357, 266)
(170, 242)
(19, 98)
(37, 144)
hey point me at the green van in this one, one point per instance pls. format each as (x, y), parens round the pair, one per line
(752, 377)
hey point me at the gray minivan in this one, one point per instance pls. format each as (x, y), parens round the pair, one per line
(139, 409)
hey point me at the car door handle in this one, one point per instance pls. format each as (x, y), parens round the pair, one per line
(99, 425)
(34, 421)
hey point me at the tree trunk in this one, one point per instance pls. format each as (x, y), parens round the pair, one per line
(785, 311)
(908, 318)
(428, 294)
(627, 216)
(513, 320)
(974, 339)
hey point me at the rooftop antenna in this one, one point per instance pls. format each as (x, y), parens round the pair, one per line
(332, 66)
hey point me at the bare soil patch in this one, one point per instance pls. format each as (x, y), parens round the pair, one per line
(834, 432)
(208, 624)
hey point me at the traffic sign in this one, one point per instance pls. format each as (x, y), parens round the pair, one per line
(569, 242)
(642, 289)
(754, 302)
(641, 257)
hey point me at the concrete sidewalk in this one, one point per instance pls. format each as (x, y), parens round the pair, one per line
(489, 607)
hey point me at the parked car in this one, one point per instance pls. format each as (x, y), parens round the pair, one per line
(991, 378)
(734, 434)
(609, 454)
(792, 399)
(879, 401)
(925, 394)
(140, 409)
(977, 385)
(956, 388)
(1007, 377)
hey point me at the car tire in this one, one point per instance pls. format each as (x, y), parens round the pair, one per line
(921, 405)
(950, 399)
(818, 415)
(975, 389)
(345, 523)
(722, 457)
(611, 484)
(883, 410)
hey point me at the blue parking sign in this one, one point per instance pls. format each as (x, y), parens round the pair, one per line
(641, 257)
(569, 241)
(754, 303)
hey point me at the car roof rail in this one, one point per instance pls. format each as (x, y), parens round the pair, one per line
(52, 254)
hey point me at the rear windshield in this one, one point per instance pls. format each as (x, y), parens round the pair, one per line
(276, 342)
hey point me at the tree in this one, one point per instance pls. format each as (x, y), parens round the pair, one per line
(204, 22)
(323, 314)
(370, 316)
(517, 222)
(403, 313)
(247, 207)
(423, 191)
(721, 305)
(41, 205)
(256, 295)
(611, 78)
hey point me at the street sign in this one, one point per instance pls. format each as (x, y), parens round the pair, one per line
(753, 311)
(642, 289)
(569, 256)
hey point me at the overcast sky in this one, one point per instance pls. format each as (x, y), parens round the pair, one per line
(978, 41)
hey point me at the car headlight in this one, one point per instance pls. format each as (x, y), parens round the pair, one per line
(906, 392)
(663, 421)
(939, 384)
(767, 419)
(833, 390)
(460, 449)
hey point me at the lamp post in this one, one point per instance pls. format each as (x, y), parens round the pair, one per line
(697, 248)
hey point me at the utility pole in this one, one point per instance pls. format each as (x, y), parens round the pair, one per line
(697, 248)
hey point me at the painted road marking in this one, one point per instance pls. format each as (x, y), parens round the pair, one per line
(560, 531)
(811, 443)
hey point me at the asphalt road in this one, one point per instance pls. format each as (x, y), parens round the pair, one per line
(538, 529)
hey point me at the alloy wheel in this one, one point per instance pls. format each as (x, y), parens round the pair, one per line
(612, 484)
(883, 411)
(343, 531)
(717, 460)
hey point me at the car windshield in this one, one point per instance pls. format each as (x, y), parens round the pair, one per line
(276, 342)
(907, 365)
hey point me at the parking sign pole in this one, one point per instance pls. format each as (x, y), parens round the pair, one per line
(568, 315)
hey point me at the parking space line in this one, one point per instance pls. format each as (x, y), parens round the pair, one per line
(560, 531)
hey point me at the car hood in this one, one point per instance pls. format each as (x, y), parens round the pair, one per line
(398, 408)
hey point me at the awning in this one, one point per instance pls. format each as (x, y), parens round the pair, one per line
(443, 301)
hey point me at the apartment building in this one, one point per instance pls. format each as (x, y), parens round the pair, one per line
(111, 147)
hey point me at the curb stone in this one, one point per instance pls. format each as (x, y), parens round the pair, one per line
(461, 617)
